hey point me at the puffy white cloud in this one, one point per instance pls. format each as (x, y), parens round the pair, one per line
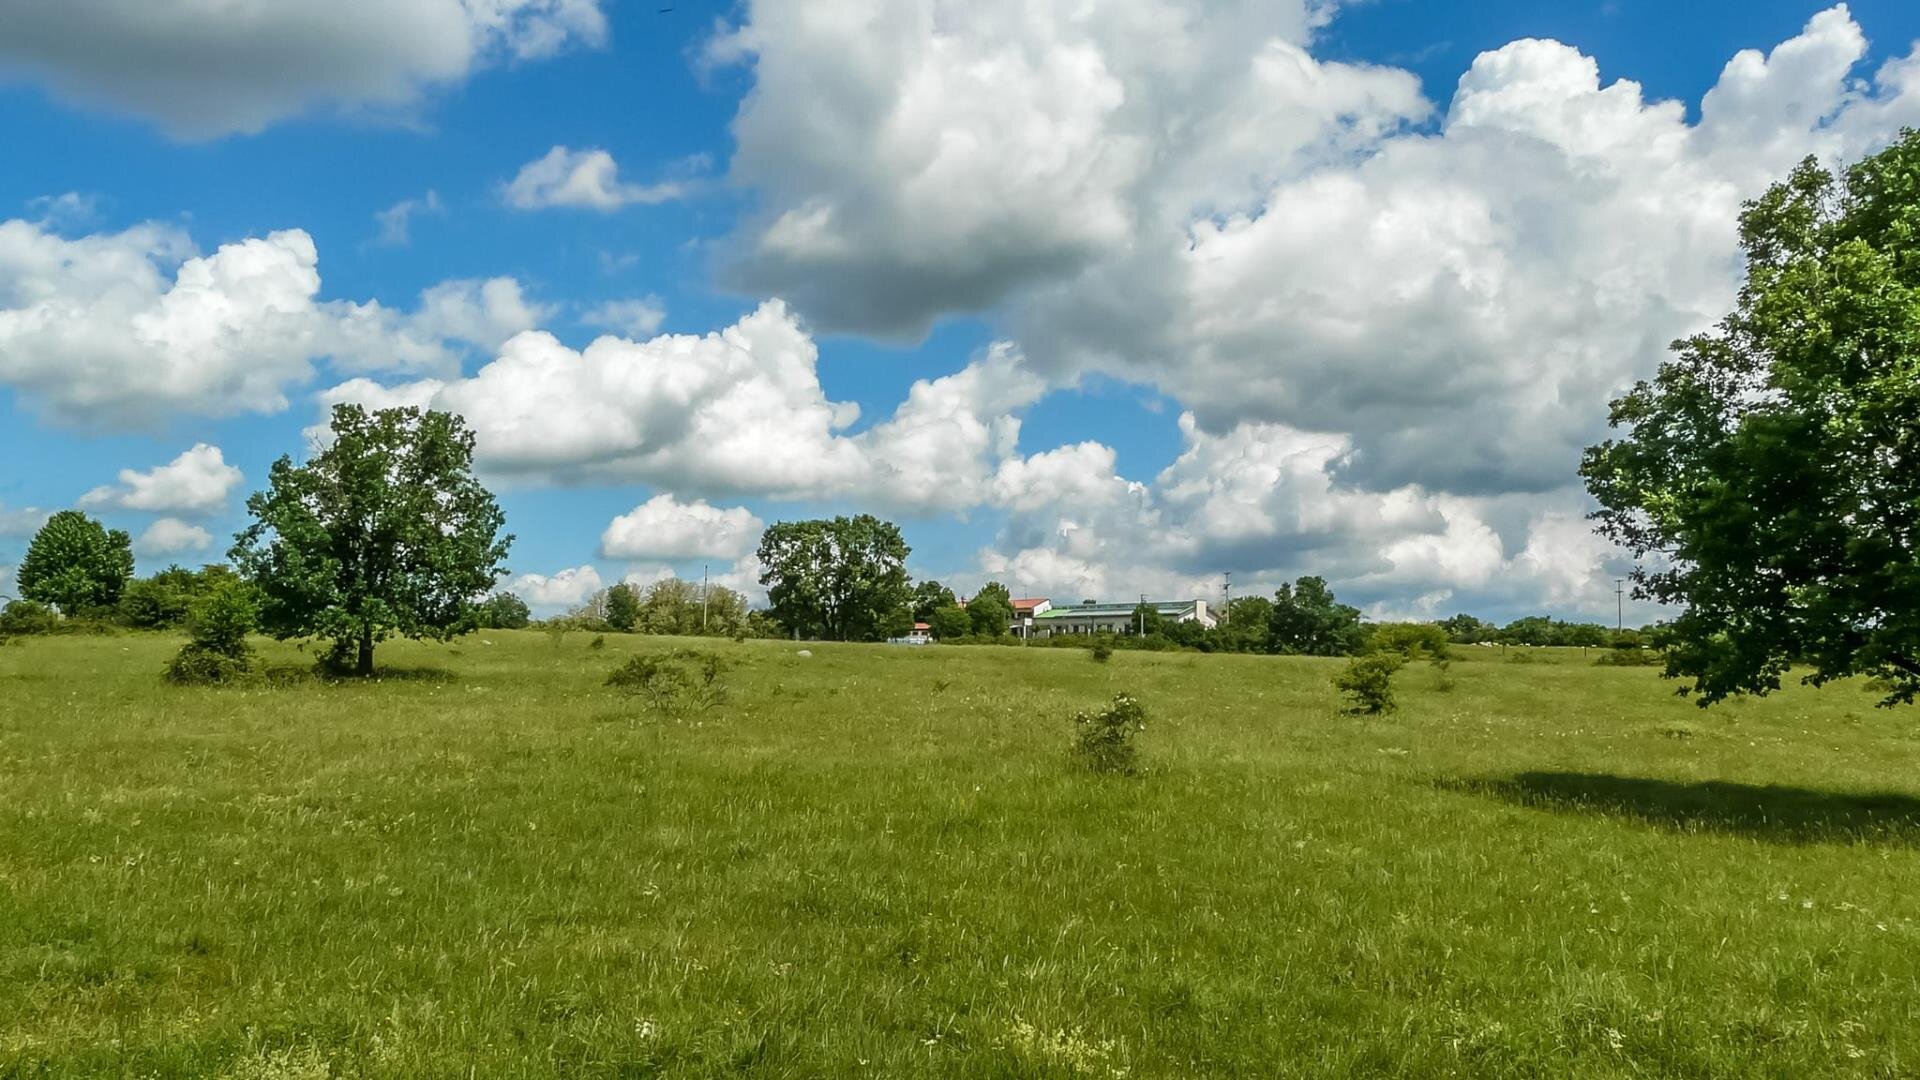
(203, 70)
(196, 482)
(1266, 502)
(665, 528)
(635, 318)
(22, 522)
(171, 536)
(480, 313)
(939, 155)
(97, 329)
(582, 179)
(738, 411)
(558, 591)
(125, 329)
(1183, 196)
(396, 221)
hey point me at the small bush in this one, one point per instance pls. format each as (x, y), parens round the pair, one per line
(1368, 682)
(677, 683)
(1103, 649)
(1412, 641)
(196, 665)
(25, 618)
(1103, 740)
(1631, 656)
(219, 623)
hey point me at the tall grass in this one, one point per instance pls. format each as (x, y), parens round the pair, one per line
(878, 862)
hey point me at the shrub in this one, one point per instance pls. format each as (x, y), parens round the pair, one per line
(27, 618)
(196, 665)
(219, 622)
(1103, 740)
(1368, 682)
(677, 683)
(599, 642)
(1631, 656)
(1103, 649)
(1412, 641)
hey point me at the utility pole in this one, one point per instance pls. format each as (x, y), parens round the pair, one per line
(1226, 609)
(1142, 620)
(703, 598)
(1620, 604)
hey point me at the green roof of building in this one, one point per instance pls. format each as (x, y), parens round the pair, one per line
(1100, 611)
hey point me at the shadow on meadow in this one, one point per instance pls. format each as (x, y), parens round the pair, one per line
(307, 675)
(1781, 815)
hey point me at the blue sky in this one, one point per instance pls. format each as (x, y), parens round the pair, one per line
(1126, 294)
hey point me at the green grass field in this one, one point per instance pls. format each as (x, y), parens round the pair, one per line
(877, 862)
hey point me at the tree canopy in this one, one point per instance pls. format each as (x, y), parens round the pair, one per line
(76, 564)
(840, 579)
(1308, 621)
(623, 607)
(1769, 474)
(385, 531)
(929, 597)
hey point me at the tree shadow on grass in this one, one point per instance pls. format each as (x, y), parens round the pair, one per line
(308, 674)
(1779, 815)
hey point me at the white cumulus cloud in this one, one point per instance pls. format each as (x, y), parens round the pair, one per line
(582, 179)
(204, 70)
(665, 528)
(128, 329)
(557, 591)
(635, 318)
(196, 482)
(171, 536)
(738, 411)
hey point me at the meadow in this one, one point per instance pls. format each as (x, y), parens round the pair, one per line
(878, 862)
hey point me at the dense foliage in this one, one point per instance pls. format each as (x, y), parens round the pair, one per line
(386, 531)
(1308, 621)
(76, 564)
(502, 611)
(1769, 475)
(165, 600)
(219, 622)
(838, 579)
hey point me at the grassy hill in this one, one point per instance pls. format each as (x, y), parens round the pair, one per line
(877, 862)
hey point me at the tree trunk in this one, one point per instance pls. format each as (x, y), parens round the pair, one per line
(364, 667)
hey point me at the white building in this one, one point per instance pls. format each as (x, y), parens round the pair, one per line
(1115, 618)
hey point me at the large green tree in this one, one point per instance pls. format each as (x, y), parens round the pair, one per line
(76, 564)
(385, 531)
(929, 597)
(1769, 474)
(1308, 621)
(841, 579)
(623, 607)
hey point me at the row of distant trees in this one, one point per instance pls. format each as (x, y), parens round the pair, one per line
(840, 578)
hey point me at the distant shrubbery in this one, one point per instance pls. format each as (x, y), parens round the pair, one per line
(669, 606)
(675, 683)
(1631, 656)
(27, 618)
(219, 623)
(1103, 740)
